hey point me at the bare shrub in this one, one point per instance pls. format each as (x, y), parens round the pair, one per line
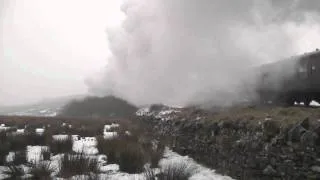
(132, 158)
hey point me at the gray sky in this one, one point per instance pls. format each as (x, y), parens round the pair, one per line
(189, 51)
(49, 47)
(173, 52)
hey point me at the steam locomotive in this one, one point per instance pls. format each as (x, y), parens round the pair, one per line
(296, 79)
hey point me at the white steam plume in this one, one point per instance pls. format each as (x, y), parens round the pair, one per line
(193, 51)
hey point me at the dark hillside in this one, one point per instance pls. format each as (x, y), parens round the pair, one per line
(108, 106)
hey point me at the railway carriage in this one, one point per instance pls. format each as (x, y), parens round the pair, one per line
(296, 79)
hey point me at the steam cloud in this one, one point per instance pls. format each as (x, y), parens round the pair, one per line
(196, 51)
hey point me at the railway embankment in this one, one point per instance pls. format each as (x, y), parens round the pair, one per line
(247, 143)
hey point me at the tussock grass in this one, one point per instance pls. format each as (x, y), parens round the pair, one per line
(172, 171)
(149, 174)
(4, 148)
(75, 164)
(21, 141)
(3, 136)
(41, 171)
(61, 146)
(14, 172)
(177, 171)
(153, 151)
(46, 154)
(132, 158)
(17, 143)
(132, 152)
(155, 156)
(34, 139)
(20, 157)
(109, 147)
(88, 131)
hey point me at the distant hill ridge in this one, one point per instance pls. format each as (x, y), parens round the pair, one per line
(108, 106)
(45, 107)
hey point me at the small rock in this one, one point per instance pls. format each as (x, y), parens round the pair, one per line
(317, 131)
(305, 123)
(315, 169)
(268, 118)
(295, 133)
(269, 170)
(214, 129)
(270, 129)
(309, 138)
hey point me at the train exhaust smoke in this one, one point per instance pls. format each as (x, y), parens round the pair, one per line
(186, 52)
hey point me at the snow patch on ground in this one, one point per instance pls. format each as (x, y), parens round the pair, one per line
(25, 168)
(123, 176)
(314, 103)
(143, 112)
(3, 127)
(110, 135)
(63, 137)
(85, 145)
(202, 173)
(40, 131)
(2, 170)
(10, 157)
(20, 131)
(34, 154)
(60, 137)
(110, 168)
(109, 127)
(108, 131)
(165, 114)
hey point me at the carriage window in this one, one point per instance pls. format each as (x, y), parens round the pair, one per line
(302, 69)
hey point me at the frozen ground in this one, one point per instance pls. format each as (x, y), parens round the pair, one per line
(87, 145)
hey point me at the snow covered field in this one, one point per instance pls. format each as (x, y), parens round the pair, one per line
(87, 147)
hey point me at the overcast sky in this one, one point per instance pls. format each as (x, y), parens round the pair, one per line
(49, 47)
(155, 51)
